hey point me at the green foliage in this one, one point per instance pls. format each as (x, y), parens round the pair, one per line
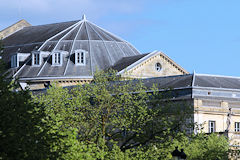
(100, 120)
(202, 146)
(2, 65)
(103, 120)
(20, 136)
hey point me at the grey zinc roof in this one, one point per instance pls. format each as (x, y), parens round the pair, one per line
(127, 61)
(212, 81)
(31, 38)
(172, 82)
(190, 86)
(103, 48)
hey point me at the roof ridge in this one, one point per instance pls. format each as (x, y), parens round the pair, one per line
(22, 20)
(53, 23)
(174, 63)
(212, 75)
(171, 76)
(136, 55)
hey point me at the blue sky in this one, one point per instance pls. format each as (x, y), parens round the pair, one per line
(200, 35)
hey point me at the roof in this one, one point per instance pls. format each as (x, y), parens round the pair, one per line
(31, 38)
(103, 49)
(13, 28)
(127, 61)
(171, 82)
(216, 81)
(190, 86)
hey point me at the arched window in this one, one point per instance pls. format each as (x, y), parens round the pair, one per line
(158, 67)
(80, 57)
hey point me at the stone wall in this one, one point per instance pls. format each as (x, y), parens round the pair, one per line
(35, 85)
(217, 110)
(147, 68)
(13, 28)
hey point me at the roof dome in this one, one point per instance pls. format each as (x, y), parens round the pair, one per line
(104, 49)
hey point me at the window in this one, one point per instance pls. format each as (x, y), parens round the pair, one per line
(36, 59)
(158, 67)
(57, 58)
(211, 126)
(80, 57)
(237, 126)
(14, 61)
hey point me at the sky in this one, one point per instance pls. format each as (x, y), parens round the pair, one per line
(199, 35)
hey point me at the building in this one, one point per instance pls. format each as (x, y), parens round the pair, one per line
(215, 100)
(70, 53)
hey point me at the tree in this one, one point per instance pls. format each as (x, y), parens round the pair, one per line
(106, 119)
(110, 116)
(20, 135)
(202, 146)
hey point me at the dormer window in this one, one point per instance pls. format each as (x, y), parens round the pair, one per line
(57, 58)
(80, 57)
(36, 59)
(14, 61)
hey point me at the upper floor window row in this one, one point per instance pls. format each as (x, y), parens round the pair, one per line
(56, 58)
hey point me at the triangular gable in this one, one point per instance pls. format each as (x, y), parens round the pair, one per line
(148, 66)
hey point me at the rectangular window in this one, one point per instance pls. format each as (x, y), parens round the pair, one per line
(57, 58)
(80, 57)
(14, 61)
(211, 126)
(237, 126)
(36, 59)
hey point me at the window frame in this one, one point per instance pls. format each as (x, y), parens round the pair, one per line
(14, 61)
(57, 59)
(36, 59)
(80, 57)
(158, 66)
(237, 126)
(211, 129)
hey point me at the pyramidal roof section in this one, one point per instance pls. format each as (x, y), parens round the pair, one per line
(102, 49)
(84, 34)
(85, 30)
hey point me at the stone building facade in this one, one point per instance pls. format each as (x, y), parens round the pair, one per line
(13, 28)
(71, 52)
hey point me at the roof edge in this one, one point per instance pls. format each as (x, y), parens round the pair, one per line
(212, 75)
(6, 32)
(53, 78)
(177, 65)
(137, 62)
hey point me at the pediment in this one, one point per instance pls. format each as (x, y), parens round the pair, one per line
(155, 64)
